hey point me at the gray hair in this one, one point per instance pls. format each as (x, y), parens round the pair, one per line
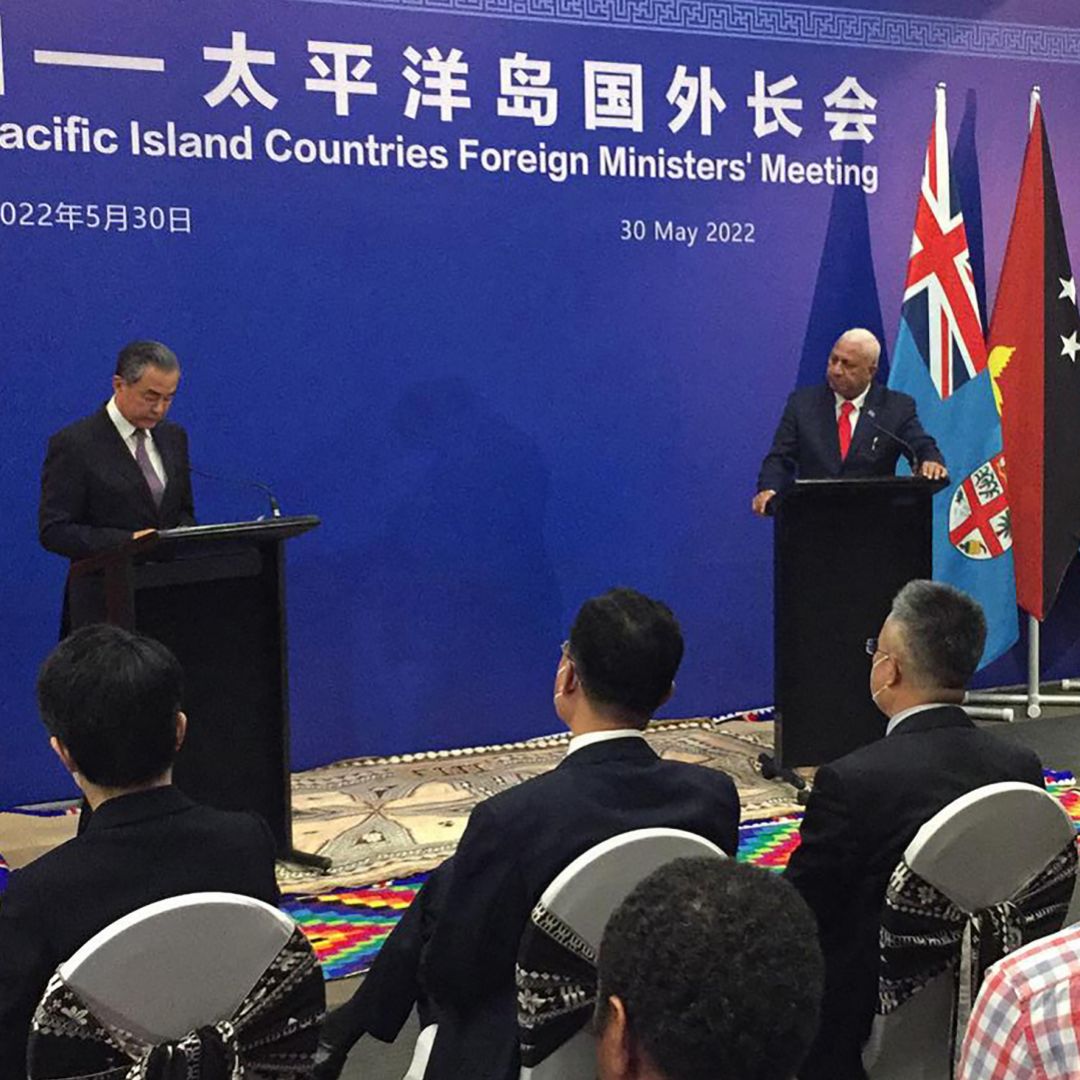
(865, 340)
(943, 631)
(137, 356)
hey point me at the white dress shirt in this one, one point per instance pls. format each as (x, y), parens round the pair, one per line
(590, 737)
(127, 433)
(903, 714)
(858, 402)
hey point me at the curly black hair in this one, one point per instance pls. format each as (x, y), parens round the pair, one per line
(719, 970)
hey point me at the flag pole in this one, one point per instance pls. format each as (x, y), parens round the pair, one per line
(1034, 706)
(1034, 709)
(1034, 697)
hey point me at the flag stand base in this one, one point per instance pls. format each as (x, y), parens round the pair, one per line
(1034, 698)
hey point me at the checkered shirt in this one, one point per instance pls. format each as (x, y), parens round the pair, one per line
(1026, 1020)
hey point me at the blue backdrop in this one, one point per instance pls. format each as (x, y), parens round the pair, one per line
(502, 390)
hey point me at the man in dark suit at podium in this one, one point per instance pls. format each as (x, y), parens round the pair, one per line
(110, 701)
(455, 947)
(867, 806)
(123, 471)
(848, 427)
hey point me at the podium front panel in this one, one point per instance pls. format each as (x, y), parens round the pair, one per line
(220, 614)
(843, 549)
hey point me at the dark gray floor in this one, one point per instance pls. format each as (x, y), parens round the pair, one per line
(1055, 737)
(371, 1059)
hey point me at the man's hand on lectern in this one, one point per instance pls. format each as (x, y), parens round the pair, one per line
(933, 470)
(761, 501)
(141, 533)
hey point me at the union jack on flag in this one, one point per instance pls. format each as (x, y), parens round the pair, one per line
(940, 359)
(940, 303)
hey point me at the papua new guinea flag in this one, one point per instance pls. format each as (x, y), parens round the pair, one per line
(1035, 345)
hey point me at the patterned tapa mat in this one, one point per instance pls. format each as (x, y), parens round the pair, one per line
(381, 819)
(348, 926)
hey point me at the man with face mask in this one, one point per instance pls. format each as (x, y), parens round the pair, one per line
(867, 806)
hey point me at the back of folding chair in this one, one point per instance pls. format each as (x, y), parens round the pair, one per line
(583, 896)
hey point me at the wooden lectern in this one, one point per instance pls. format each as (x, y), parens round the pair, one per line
(842, 551)
(215, 595)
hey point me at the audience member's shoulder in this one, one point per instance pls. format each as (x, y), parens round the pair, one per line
(703, 775)
(229, 823)
(922, 749)
(1048, 965)
(45, 870)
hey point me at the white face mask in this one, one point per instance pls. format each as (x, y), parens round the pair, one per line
(558, 693)
(880, 689)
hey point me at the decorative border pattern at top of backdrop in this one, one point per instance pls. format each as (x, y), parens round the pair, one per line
(767, 21)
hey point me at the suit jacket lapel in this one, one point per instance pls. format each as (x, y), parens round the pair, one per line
(166, 448)
(864, 429)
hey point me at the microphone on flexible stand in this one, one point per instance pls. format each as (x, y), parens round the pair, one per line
(243, 481)
(909, 450)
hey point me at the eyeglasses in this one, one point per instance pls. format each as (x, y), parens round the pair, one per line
(874, 649)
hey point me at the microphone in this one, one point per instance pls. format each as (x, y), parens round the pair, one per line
(909, 450)
(243, 481)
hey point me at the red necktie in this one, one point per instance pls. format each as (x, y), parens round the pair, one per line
(843, 427)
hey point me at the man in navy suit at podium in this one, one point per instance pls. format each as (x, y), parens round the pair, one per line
(849, 427)
(119, 473)
(124, 470)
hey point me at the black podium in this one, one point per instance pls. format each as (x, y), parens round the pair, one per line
(215, 595)
(842, 551)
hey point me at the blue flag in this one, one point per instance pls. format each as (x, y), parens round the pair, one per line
(968, 184)
(940, 360)
(846, 293)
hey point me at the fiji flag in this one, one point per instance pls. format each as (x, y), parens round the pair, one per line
(940, 359)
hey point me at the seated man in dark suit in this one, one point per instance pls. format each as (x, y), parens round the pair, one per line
(111, 703)
(454, 950)
(708, 970)
(850, 426)
(867, 806)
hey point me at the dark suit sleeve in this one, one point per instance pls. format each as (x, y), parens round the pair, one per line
(25, 968)
(264, 884)
(911, 431)
(62, 510)
(475, 940)
(781, 462)
(825, 865)
(725, 821)
(187, 499)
